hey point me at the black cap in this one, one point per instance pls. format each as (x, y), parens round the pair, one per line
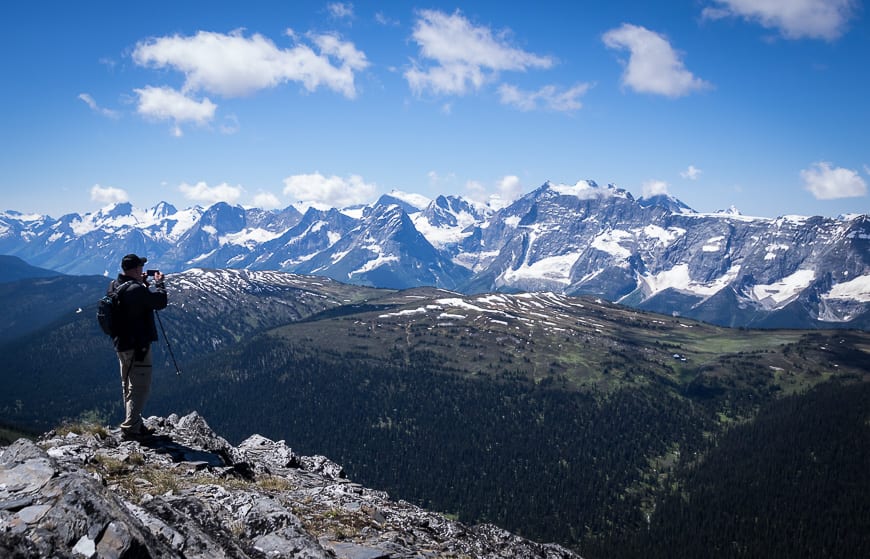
(132, 261)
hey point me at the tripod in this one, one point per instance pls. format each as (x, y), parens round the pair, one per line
(163, 330)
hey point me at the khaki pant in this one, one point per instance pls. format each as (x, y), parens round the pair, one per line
(136, 385)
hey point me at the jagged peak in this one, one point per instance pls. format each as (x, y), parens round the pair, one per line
(665, 201)
(732, 210)
(163, 209)
(116, 210)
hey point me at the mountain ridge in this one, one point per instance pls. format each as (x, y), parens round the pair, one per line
(654, 253)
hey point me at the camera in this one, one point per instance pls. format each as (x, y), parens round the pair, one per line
(150, 273)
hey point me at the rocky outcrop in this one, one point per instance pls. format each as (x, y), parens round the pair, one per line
(186, 492)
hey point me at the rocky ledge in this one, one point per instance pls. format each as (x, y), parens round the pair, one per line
(186, 492)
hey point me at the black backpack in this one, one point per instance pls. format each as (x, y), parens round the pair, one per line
(109, 307)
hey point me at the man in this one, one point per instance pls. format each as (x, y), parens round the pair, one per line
(136, 333)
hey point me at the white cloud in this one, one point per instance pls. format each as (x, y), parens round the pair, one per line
(653, 65)
(795, 19)
(165, 103)
(548, 97)
(334, 192)
(826, 183)
(465, 56)
(509, 188)
(202, 192)
(692, 173)
(232, 65)
(506, 190)
(89, 101)
(654, 187)
(108, 194)
(340, 10)
(266, 201)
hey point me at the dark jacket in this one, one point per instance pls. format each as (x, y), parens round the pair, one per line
(138, 303)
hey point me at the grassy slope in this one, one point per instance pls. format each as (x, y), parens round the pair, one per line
(584, 343)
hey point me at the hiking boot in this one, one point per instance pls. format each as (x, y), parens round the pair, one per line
(143, 433)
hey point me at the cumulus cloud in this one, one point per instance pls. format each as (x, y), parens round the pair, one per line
(266, 201)
(202, 192)
(653, 65)
(827, 183)
(654, 187)
(794, 19)
(232, 65)
(90, 102)
(108, 194)
(509, 188)
(464, 56)
(165, 103)
(505, 191)
(692, 173)
(548, 97)
(315, 189)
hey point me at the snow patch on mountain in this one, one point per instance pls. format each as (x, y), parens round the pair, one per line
(416, 200)
(857, 289)
(249, 237)
(373, 264)
(714, 244)
(552, 269)
(777, 294)
(664, 236)
(512, 221)
(679, 278)
(585, 190)
(182, 221)
(773, 249)
(608, 242)
(440, 235)
(355, 212)
(18, 216)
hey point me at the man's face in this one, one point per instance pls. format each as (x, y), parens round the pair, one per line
(136, 272)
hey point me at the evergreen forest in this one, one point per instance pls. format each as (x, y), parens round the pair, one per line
(613, 432)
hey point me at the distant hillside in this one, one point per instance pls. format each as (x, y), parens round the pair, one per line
(32, 304)
(14, 269)
(560, 418)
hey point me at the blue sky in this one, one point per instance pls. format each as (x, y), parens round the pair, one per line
(759, 104)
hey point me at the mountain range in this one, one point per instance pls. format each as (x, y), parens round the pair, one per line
(652, 253)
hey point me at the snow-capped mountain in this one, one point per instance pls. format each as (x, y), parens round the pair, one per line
(653, 253)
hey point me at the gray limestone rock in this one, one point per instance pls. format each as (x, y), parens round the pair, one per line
(187, 493)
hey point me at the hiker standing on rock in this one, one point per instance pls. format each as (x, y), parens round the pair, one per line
(135, 334)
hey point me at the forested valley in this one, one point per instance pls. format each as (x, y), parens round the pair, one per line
(616, 433)
(638, 471)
